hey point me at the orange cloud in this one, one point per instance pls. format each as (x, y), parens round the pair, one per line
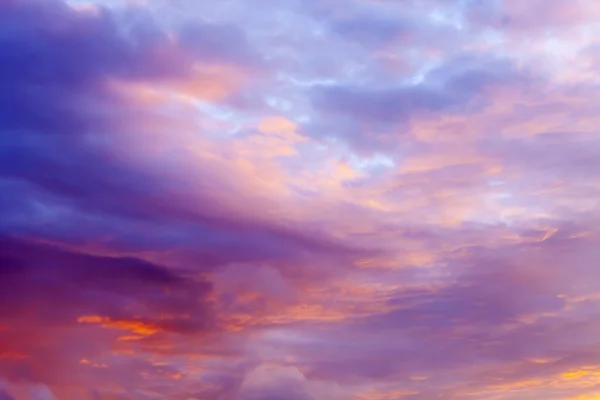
(134, 326)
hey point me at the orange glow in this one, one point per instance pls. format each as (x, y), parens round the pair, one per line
(135, 326)
(575, 374)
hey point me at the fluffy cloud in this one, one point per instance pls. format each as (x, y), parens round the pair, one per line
(276, 382)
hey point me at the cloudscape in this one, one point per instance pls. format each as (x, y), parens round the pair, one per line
(299, 199)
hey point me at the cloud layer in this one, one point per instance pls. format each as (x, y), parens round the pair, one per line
(300, 200)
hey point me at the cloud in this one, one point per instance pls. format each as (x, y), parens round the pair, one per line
(70, 276)
(5, 396)
(321, 200)
(367, 116)
(278, 382)
(41, 393)
(373, 30)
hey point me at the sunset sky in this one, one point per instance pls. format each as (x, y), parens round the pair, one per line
(299, 199)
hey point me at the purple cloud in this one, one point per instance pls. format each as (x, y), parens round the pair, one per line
(298, 200)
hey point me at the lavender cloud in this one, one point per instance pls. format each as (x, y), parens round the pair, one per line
(298, 200)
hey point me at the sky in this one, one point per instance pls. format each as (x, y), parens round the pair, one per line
(299, 199)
